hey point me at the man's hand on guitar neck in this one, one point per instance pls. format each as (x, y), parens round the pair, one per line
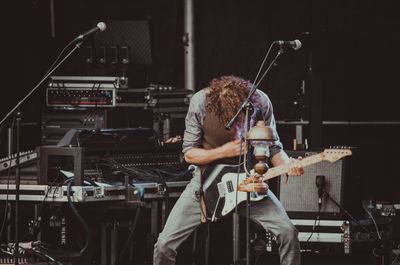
(295, 167)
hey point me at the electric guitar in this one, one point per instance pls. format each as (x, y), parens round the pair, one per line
(221, 193)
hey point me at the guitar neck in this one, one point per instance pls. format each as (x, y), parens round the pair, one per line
(283, 169)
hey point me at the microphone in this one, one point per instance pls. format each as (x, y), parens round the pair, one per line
(295, 44)
(320, 182)
(100, 26)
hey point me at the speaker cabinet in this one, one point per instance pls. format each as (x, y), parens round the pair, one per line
(299, 195)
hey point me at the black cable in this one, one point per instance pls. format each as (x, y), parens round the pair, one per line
(81, 220)
(326, 194)
(373, 220)
(40, 208)
(26, 251)
(171, 175)
(317, 219)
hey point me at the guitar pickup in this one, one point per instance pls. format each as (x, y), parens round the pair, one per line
(229, 186)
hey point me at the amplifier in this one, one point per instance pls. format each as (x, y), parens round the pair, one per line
(299, 195)
(56, 123)
(82, 91)
(160, 99)
(169, 100)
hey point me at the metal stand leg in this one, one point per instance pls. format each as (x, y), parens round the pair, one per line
(248, 230)
(103, 244)
(194, 246)
(208, 243)
(114, 243)
(154, 218)
(130, 237)
(299, 134)
(236, 241)
(188, 42)
(9, 236)
(166, 127)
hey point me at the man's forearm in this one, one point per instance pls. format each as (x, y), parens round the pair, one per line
(294, 167)
(201, 156)
(280, 158)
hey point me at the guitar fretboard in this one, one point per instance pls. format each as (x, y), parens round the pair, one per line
(283, 169)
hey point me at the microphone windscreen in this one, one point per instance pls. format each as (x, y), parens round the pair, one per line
(320, 181)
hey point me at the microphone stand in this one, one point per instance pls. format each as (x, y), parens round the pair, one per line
(247, 105)
(253, 89)
(18, 116)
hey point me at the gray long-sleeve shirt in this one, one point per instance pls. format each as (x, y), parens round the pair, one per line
(196, 113)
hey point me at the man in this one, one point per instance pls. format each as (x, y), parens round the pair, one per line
(205, 141)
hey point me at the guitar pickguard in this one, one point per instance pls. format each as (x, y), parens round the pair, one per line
(213, 193)
(220, 190)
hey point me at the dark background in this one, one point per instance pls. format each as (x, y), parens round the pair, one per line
(349, 63)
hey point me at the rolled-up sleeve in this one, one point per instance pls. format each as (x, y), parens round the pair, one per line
(268, 116)
(193, 122)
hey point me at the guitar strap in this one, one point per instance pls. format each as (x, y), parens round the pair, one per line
(204, 170)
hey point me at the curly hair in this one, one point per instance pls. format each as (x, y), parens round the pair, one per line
(227, 94)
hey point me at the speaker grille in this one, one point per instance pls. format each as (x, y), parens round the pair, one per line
(300, 194)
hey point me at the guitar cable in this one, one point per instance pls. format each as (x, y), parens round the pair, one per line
(320, 183)
(317, 219)
(373, 220)
(79, 217)
(326, 194)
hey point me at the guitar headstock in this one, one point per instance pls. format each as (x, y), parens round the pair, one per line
(334, 154)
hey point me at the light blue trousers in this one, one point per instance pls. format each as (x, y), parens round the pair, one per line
(184, 218)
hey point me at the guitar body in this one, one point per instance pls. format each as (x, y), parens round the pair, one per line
(220, 188)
